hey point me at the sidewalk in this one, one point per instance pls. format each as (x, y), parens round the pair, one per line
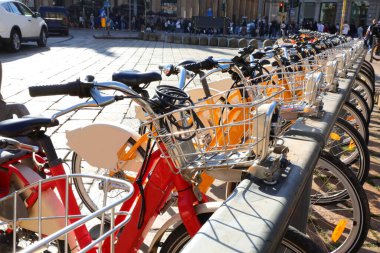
(372, 185)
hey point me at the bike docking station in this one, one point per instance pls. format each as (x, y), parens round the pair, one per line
(254, 218)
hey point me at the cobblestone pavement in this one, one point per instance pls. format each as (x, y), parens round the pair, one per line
(68, 58)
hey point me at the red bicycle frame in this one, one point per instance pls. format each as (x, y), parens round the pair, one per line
(160, 180)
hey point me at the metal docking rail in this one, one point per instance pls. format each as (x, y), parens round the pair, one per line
(255, 217)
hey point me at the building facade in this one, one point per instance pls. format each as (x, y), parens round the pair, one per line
(358, 12)
(234, 9)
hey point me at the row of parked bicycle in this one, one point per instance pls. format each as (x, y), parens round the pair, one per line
(227, 131)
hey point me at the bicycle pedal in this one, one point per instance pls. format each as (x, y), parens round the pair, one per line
(95, 230)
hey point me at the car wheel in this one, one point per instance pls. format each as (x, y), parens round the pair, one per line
(15, 41)
(42, 41)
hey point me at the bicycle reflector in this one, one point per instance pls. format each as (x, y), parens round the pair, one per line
(338, 231)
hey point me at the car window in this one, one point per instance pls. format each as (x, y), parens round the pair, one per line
(54, 15)
(7, 7)
(25, 10)
(14, 9)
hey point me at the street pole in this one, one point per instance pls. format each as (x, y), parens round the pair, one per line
(130, 13)
(225, 18)
(145, 15)
(343, 15)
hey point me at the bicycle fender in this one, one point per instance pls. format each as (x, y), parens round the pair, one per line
(100, 143)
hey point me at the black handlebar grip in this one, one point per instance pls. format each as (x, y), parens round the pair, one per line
(206, 64)
(194, 67)
(76, 88)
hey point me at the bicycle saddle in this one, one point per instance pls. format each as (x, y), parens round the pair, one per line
(134, 78)
(25, 125)
(258, 54)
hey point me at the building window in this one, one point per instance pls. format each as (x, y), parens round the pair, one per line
(328, 13)
(169, 6)
(309, 12)
(359, 11)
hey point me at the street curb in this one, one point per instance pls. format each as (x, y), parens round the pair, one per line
(110, 37)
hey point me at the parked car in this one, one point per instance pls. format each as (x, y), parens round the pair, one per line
(56, 18)
(19, 24)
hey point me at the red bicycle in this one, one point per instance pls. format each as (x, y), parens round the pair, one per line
(162, 172)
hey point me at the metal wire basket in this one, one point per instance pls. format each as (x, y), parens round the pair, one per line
(327, 61)
(303, 84)
(228, 129)
(48, 217)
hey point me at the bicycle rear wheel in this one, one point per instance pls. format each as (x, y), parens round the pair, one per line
(339, 212)
(293, 240)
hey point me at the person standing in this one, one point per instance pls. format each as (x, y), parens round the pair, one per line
(92, 21)
(372, 33)
(283, 29)
(178, 26)
(81, 21)
(346, 28)
(360, 32)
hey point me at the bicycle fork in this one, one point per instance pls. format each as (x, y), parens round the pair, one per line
(160, 182)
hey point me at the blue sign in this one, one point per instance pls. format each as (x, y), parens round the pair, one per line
(102, 12)
(209, 12)
(107, 4)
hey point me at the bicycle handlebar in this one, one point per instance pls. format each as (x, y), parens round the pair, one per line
(206, 64)
(76, 88)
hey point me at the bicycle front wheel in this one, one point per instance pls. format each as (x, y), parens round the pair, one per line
(92, 194)
(346, 144)
(376, 53)
(293, 240)
(365, 91)
(353, 116)
(339, 212)
(358, 101)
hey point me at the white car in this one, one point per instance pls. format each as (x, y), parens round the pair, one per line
(19, 24)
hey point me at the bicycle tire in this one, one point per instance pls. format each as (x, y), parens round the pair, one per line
(345, 199)
(367, 79)
(353, 116)
(375, 54)
(83, 190)
(349, 140)
(358, 101)
(368, 72)
(293, 240)
(369, 66)
(368, 69)
(365, 91)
